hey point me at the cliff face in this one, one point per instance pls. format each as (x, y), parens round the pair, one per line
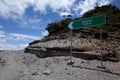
(81, 47)
(86, 42)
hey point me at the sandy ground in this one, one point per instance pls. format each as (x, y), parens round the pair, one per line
(17, 65)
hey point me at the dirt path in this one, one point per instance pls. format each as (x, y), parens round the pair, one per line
(17, 65)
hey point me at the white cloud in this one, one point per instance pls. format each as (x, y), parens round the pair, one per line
(32, 20)
(16, 8)
(23, 45)
(1, 27)
(16, 37)
(65, 13)
(53, 4)
(31, 23)
(45, 33)
(23, 36)
(13, 8)
(87, 5)
(104, 2)
(6, 46)
(2, 33)
(36, 27)
(14, 41)
(2, 40)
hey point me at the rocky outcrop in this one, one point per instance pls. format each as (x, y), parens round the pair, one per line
(87, 48)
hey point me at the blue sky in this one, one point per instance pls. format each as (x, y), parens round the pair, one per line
(23, 21)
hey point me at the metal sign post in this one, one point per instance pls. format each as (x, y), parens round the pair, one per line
(71, 61)
(71, 45)
(101, 54)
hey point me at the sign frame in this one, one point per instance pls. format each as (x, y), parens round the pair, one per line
(88, 22)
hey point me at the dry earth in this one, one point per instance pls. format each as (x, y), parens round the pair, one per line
(17, 65)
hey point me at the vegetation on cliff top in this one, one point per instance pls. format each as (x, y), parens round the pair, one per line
(113, 21)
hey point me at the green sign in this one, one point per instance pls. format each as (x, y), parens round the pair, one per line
(88, 22)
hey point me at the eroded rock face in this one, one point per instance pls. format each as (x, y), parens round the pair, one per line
(78, 43)
(87, 48)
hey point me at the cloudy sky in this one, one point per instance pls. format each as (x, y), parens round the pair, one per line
(23, 21)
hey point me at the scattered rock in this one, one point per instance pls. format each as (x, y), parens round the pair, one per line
(2, 62)
(70, 62)
(68, 73)
(82, 61)
(35, 73)
(47, 72)
(66, 69)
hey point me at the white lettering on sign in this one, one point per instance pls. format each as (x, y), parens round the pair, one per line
(87, 22)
